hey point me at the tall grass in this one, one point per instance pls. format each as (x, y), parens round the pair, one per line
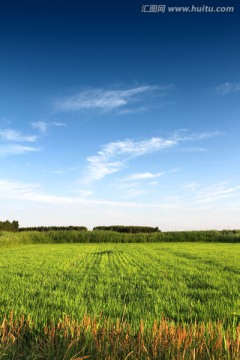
(111, 340)
(100, 236)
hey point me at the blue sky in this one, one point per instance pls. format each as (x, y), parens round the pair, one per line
(109, 115)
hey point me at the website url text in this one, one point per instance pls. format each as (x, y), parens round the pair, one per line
(186, 9)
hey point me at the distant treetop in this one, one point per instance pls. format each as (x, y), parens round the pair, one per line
(128, 229)
(9, 226)
(53, 228)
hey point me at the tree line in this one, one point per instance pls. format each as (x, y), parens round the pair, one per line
(53, 228)
(9, 226)
(116, 228)
(128, 229)
(14, 226)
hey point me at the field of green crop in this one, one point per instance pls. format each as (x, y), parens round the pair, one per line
(185, 283)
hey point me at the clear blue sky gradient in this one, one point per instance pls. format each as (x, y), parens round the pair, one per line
(109, 115)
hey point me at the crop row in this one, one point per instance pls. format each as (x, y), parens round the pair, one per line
(183, 282)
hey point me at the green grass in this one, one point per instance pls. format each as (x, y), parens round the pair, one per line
(118, 287)
(184, 282)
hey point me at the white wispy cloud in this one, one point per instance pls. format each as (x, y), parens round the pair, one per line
(183, 135)
(193, 149)
(40, 126)
(83, 193)
(134, 193)
(113, 156)
(11, 190)
(134, 110)
(153, 183)
(57, 172)
(192, 186)
(217, 192)
(11, 187)
(144, 176)
(15, 190)
(107, 100)
(59, 124)
(43, 126)
(10, 142)
(228, 87)
(14, 149)
(210, 195)
(13, 135)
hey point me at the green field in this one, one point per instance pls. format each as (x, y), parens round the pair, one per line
(185, 283)
(139, 281)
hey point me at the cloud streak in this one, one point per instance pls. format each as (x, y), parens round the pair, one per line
(43, 126)
(12, 135)
(114, 156)
(216, 192)
(144, 176)
(228, 88)
(40, 126)
(108, 100)
(12, 149)
(13, 190)
(9, 145)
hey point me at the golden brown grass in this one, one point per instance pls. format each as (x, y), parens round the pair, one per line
(106, 340)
